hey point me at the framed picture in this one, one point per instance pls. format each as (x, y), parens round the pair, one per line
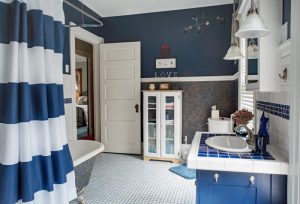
(78, 82)
(164, 86)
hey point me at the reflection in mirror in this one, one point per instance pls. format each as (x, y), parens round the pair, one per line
(241, 131)
(253, 55)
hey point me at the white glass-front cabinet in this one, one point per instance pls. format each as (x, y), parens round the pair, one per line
(162, 125)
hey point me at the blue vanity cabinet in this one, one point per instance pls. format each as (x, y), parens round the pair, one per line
(215, 187)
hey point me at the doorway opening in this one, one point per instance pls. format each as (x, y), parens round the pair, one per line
(84, 90)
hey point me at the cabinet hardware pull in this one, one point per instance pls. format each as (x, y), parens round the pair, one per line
(252, 179)
(216, 177)
(284, 75)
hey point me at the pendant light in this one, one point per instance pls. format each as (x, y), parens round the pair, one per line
(234, 52)
(253, 51)
(253, 26)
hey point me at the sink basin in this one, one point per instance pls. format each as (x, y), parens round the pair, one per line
(228, 143)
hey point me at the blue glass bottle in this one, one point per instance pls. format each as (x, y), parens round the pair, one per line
(262, 138)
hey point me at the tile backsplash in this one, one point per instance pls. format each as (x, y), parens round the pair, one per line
(277, 108)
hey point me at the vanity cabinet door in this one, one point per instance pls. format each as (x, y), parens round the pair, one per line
(225, 188)
(240, 188)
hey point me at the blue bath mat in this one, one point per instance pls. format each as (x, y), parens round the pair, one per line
(183, 171)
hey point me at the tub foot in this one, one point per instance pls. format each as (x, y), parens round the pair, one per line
(80, 197)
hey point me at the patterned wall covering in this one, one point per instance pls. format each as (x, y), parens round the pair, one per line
(198, 97)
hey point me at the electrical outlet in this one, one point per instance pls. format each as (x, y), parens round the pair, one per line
(67, 69)
(165, 63)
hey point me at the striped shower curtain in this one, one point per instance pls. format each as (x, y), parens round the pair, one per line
(35, 162)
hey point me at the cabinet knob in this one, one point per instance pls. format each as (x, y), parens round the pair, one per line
(216, 177)
(252, 179)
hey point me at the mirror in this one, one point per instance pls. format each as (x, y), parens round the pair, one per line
(252, 55)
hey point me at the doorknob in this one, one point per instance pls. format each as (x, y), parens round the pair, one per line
(136, 108)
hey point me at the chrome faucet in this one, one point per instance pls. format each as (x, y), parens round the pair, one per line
(251, 137)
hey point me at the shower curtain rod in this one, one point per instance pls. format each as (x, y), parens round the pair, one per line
(84, 13)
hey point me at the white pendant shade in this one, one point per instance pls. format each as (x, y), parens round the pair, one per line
(234, 53)
(253, 27)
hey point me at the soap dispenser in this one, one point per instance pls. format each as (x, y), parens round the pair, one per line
(262, 138)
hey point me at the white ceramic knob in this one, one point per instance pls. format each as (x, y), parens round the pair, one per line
(252, 179)
(216, 177)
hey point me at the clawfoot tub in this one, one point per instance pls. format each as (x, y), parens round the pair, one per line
(84, 154)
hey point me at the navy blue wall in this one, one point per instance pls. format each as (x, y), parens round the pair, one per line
(197, 54)
(72, 15)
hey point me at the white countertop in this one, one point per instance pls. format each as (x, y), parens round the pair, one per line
(277, 166)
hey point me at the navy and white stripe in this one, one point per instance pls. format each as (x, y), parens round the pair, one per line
(35, 162)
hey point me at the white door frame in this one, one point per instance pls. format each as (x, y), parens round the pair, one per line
(294, 141)
(84, 35)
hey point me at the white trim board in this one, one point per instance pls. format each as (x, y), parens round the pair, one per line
(191, 79)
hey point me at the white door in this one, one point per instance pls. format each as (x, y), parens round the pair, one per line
(120, 73)
(151, 124)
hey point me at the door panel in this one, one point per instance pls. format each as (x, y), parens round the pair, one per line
(152, 124)
(117, 53)
(120, 93)
(170, 127)
(122, 69)
(120, 111)
(245, 195)
(113, 132)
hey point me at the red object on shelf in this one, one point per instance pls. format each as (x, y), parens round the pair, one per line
(165, 51)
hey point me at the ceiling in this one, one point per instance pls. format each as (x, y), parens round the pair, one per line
(108, 8)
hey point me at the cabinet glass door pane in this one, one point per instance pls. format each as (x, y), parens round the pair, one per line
(152, 124)
(169, 118)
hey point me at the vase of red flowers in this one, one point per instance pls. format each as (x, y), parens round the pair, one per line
(242, 117)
